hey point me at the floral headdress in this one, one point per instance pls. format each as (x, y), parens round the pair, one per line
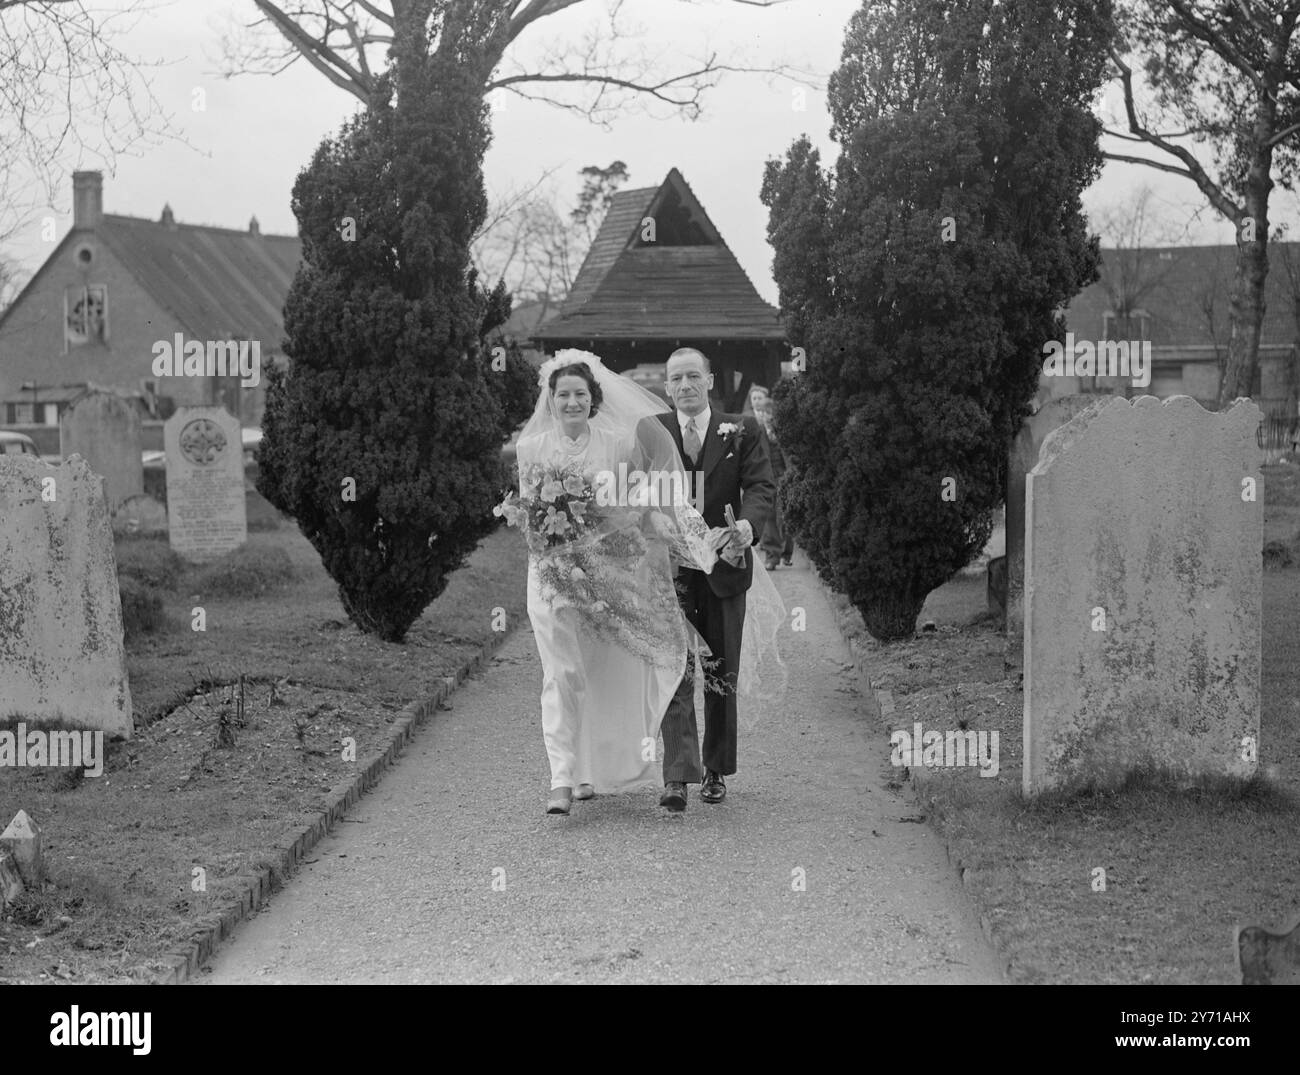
(567, 357)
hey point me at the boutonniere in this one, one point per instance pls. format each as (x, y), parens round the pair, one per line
(734, 430)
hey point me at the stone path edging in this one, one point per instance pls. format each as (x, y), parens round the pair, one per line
(881, 703)
(184, 962)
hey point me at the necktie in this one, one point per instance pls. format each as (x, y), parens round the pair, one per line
(691, 442)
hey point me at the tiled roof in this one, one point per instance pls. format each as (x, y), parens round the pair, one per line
(657, 290)
(622, 221)
(1183, 279)
(214, 281)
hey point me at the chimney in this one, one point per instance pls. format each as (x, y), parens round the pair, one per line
(87, 199)
(167, 220)
(254, 228)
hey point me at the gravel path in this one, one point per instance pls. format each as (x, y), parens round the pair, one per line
(449, 871)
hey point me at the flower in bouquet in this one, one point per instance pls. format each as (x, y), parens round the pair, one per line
(556, 522)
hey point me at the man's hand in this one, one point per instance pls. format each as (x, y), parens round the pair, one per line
(718, 537)
(741, 537)
(734, 555)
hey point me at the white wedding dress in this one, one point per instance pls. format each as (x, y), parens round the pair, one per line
(601, 704)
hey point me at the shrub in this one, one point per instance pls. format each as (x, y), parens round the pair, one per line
(246, 572)
(142, 607)
(921, 277)
(149, 560)
(390, 383)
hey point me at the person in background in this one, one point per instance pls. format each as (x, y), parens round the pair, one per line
(776, 542)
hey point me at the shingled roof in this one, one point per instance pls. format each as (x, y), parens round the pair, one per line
(1182, 280)
(214, 281)
(686, 283)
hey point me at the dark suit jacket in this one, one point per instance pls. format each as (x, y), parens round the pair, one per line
(739, 476)
(777, 456)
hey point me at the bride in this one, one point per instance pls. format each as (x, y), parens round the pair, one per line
(610, 633)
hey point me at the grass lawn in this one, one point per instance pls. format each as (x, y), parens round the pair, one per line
(124, 850)
(1183, 866)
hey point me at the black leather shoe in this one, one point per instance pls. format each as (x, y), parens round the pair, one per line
(714, 788)
(674, 796)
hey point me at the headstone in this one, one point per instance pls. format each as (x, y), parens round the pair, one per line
(1021, 460)
(1143, 619)
(206, 515)
(22, 838)
(104, 429)
(140, 515)
(61, 653)
(996, 587)
(11, 881)
(1268, 958)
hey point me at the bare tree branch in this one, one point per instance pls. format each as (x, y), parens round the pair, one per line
(318, 53)
(1191, 169)
(342, 39)
(1201, 29)
(67, 92)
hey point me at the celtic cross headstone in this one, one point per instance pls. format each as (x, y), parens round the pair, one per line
(206, 515)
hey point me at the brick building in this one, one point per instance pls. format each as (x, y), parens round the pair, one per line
(1176, 298)
(115, 287)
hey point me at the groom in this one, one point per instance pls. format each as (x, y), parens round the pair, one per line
(735, 471)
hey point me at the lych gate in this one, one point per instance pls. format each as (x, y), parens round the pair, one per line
(659, 276)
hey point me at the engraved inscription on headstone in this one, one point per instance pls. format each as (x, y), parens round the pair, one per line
(206, 515)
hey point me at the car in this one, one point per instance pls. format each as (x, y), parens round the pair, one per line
(17, 444)
(252, 439)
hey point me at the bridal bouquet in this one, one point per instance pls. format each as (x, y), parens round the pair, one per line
(556, 510)
(596, 560)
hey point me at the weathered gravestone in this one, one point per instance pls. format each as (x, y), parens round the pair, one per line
(206, 515)
(1144, 522)
(1020, 461)
(61, 653)
(1268, 958)
(104, 429)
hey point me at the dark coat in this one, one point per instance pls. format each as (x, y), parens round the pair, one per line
(739, 475)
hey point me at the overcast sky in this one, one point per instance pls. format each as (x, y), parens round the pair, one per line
(245, 150)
